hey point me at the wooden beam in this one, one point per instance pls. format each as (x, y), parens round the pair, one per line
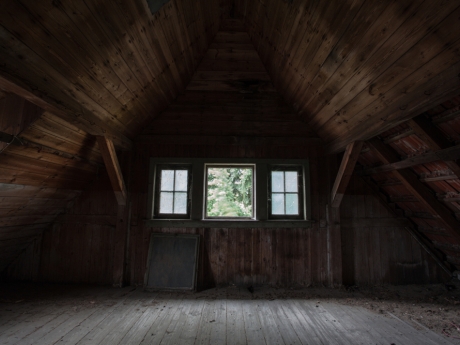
(121, 236)
(447, 115)
(113, 168)
(398, 136)
(334, 246)
(410, 180)
(434, 138)
(443, 155)
(79, 117)
(438, 178)
(345, 171)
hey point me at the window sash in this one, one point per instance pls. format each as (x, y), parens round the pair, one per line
(279, 193)
(170, 195)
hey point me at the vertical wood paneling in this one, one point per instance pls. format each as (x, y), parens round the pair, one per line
(82, 252)
(375, 254)
(252, 256)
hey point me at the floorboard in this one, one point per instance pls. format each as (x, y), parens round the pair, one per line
(95, 315)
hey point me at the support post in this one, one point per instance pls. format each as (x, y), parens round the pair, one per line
(334, 246)
(120, 244)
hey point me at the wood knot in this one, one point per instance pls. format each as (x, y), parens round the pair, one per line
(372, 89)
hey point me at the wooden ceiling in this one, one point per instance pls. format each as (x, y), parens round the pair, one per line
(70, 71)
(353, 69)
(108, 68)
(230, 95)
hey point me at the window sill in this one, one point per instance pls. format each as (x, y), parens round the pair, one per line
(246, 223)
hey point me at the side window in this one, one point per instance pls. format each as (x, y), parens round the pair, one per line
(172, 191)
(286, 192)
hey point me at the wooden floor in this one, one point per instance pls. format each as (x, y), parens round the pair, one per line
(82, 315)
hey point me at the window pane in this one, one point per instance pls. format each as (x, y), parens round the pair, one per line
(277, 203)
(229, 192)
(167, 180)
(180, 203)
(291, 181)
(166, 202)
(277, 181)
(181, 180)
(292, 203)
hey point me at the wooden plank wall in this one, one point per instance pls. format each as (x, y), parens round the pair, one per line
(377, 249)
(16, 114)
(25, 265)
(40, 177)
(252, 256)
(78, 248)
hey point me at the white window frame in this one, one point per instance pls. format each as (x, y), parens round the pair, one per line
(261, 189)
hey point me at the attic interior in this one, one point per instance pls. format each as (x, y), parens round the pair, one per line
(91, 91)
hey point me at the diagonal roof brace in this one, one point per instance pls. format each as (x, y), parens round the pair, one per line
(345, 171)
(113, 168)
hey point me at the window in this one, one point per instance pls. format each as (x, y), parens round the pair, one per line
(196, 192)
(229, 191)
(286, 200)
(172, 186)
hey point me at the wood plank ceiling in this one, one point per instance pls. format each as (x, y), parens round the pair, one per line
(356, 68)
(230, 95)
(72, 70)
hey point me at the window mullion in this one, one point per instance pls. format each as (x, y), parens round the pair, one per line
(261, 192)
(174, 191)
(284, 190)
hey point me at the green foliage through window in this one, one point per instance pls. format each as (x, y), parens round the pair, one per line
(229, 192)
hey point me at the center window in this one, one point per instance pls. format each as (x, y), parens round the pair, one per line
(229, 191)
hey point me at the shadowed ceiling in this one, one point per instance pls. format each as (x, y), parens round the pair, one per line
(353, 69)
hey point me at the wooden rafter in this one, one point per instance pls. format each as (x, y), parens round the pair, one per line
(113, 168)
(446, 155)
(345, 171)
(81, 118)
(434, 138)
(410, 180)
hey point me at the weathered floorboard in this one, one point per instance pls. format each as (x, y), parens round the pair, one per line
(217, 316)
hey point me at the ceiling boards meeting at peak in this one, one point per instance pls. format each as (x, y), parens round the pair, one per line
(230, 95)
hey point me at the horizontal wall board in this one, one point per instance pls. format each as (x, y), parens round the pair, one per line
(373, 222)
(237, 224)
